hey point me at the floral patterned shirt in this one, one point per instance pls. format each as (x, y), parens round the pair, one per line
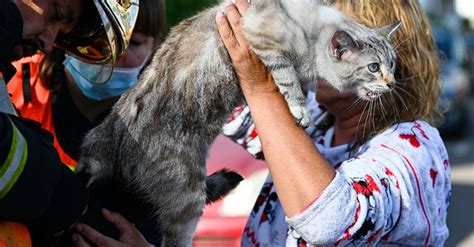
(394, 190)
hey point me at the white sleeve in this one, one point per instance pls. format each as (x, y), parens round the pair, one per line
(397, 190)
(240, 128)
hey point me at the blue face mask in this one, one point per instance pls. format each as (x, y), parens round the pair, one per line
(120, 80)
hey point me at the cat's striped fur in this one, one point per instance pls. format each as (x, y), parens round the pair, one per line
(156, 139)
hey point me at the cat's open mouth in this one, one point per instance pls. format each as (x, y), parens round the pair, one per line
(369, 94)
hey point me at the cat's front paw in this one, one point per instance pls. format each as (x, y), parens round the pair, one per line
(301, 115)
(89, 171)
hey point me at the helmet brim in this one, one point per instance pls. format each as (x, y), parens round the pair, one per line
(102, 37)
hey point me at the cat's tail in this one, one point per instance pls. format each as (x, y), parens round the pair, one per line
(220, 184)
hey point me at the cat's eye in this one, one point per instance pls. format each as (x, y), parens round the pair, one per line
(374, 67)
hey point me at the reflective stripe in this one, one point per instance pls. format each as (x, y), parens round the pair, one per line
(13, 166)
(73, 168)
(5, 102)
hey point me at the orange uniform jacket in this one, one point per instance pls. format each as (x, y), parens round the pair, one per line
(35, 102)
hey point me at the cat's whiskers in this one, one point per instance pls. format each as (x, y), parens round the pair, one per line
(353, 104)
(412, 77)
(372, 116)
(402, 51)
(360, 118)
(402, 84)
(398, 43)
(368, 117)
(405, 92)
(365, 121)
(382, 108)
(401, 99)
(397, 114)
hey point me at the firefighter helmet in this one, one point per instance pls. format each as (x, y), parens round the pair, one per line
(100, 38)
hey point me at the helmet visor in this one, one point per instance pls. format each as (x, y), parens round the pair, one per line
(100, 36)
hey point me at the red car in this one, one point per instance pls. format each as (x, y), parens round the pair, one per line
(223, 222)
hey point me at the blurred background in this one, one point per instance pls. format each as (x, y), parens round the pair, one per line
(453, 25)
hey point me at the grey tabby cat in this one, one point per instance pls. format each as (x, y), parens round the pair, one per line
(156, 139)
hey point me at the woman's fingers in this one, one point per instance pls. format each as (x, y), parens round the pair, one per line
(226, 33)
(122, 224)
(79, 241)
(234, 11)
(242, 5)
(95, 237)
(249, 68)
(229, 28)
(129, 234)
(234, 17)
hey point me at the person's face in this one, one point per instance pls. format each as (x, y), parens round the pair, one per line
(138, 51)
(338, 103)
(44, 19)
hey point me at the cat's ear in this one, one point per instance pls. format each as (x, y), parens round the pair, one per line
(343, 45)
(389, 30)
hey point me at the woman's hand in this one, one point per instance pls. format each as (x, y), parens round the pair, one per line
(129, 235)
(251, 72)
(299, 172)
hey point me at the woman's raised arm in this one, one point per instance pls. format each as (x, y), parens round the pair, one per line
(299, 171)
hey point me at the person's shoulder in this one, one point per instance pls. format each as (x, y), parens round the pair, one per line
(410, 136)
(420, 129)
(26, 68)
(416, 144)
(32, 60)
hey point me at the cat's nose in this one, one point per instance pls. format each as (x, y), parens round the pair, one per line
(391, 85)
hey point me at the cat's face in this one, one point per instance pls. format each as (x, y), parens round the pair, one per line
(366, 65)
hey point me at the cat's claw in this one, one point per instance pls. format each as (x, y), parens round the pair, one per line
(301, 115)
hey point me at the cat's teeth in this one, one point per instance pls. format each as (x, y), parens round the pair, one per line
(371, 95)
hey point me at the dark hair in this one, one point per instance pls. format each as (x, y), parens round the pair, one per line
(151, 21)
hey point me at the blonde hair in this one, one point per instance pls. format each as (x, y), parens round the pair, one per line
(416, 94)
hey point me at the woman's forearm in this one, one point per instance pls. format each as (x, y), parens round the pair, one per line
(299, 171)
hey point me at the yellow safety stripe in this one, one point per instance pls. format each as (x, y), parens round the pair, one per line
(73, 168)
(15, 162)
